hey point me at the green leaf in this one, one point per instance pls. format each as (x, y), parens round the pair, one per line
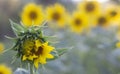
(61, 51)
(58, 53)
(16, 28)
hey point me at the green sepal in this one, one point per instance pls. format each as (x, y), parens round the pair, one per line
(11, 38)
(17, 28)
(6, 50)
(57, 53)
(61, 51)
(50, 37)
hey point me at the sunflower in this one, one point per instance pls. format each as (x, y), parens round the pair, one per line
(1, 47)
(32, 15)
(113, 13)
(5, 70)
(118, 44)
(78, 22)
(39, 53)
(90, 7)
(57, 14)
(102, 21)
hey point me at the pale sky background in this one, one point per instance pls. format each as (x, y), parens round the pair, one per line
(91, 0)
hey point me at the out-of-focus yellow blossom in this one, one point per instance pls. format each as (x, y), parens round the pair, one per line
(102, 21)
(56, 14)
(90, 7)
(118, 44)
(1, 47)
(5, 70)
(113, 13)
(39, 53)
(32, 14)
(78, 22)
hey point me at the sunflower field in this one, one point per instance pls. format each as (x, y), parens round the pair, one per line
(59, 37)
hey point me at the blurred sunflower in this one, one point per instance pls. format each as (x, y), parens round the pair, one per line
(102, 20)
(1, 47)
(5, 70)
(57, 14)
(90, 7)
(113, 13)
(118, 44)
(38, 53)
(32, 15)
(78, 22)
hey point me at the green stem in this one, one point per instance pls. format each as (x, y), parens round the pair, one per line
(31, 69)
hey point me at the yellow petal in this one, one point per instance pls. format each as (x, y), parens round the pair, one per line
(24, 58)
(31, 57)
(50, 56)
(38, 43)
(46, 46)
(36, 63)
(42, 60)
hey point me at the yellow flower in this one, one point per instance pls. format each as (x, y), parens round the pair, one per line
(57, 14)
(32, 15)
(118, 44)
(1, 47)
(102, 20)
(78, 22)
(113, 13)
(43, 53)
(38, 53)
(5, 70)
(90, 7)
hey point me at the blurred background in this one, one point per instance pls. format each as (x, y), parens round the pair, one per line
(94, 53)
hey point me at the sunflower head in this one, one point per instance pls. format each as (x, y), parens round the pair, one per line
(56, 14)
(78, 22)
(113, 13)
(37, 52)
(118, 44)
(90, 7)
(32, 15)
(102, 20)
(5, 70)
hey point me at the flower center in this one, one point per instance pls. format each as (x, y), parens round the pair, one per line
(33, 15)
(40, 50)
(56, 16)
(1, 73)
(90, 7)
(77, 22)
(113, 13)
(102, 20)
